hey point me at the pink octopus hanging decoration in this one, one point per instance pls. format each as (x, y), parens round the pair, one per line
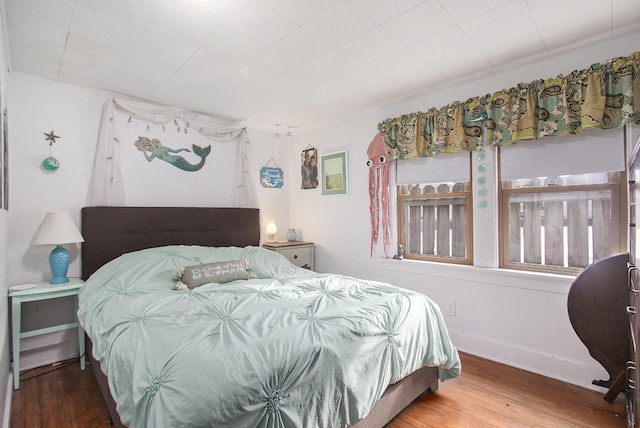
(378, 164)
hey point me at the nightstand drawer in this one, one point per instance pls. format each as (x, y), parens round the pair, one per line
(299, 253)
(300, 256)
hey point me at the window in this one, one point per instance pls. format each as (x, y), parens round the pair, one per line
(554, 205)
(561, 223)
(434, 220)
(562, 204)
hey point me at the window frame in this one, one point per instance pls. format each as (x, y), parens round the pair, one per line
(616, 185)
(402, 191)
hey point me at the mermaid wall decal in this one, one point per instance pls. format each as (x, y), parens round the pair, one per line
(157, 150)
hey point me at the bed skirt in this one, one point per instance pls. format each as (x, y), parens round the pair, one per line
(394, 400)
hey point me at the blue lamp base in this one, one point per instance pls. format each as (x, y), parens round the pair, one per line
(59, 263)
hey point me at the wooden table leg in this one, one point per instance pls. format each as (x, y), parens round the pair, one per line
(616, 388)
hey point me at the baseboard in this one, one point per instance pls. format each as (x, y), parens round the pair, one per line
(7, 403)
(575, 372)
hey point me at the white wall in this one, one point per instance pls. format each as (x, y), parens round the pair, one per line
(38, 106)
(520, 319)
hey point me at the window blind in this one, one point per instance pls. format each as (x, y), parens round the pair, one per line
(452, 167)
(593, 151)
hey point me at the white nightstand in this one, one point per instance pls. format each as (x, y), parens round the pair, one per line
(299, 253)
(42, 291)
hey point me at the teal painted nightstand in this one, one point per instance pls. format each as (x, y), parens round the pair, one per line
(42, 291)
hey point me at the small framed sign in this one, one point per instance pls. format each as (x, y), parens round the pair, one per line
(334, 173)
(271, 177)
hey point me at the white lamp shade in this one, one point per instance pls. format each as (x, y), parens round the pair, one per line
(271, 228)
(57, 228)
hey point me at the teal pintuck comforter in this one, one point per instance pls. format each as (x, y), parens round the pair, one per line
(292, 348)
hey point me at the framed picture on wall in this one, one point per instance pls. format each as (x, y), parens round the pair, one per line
(334, 173)
(309, 168)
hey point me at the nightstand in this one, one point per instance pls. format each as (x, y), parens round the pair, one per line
(300, 253)
(42, 291)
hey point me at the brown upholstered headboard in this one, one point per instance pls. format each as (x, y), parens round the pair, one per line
(112, 231)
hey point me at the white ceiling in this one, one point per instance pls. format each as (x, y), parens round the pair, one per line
(300, 63)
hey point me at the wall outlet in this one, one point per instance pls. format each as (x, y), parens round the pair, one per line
(450, 308)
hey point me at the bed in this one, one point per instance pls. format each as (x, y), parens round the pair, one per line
(281, 346)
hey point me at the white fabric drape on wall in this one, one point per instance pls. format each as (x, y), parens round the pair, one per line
(107, 187)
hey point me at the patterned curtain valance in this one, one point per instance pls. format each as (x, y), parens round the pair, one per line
(605, 95)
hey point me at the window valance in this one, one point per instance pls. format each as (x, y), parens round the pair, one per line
(605, 95)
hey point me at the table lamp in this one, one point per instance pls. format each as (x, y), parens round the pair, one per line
(57, 229)
(271, 231)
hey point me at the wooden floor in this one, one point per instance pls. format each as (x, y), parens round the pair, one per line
(487, 394)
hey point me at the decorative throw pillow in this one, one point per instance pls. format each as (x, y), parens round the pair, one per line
(220, 272)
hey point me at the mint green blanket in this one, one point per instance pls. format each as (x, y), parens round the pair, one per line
(292, 348)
